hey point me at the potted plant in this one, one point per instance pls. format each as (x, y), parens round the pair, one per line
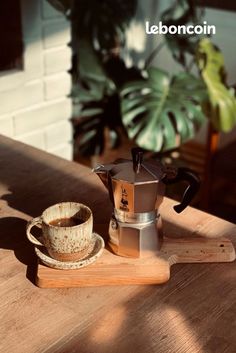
(156, 109)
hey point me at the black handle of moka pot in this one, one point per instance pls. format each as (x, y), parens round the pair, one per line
(174, 175)
(137, 156)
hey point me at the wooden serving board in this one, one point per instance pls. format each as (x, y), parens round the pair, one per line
(111, 269)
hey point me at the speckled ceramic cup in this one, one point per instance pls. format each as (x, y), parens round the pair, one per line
(64, 243)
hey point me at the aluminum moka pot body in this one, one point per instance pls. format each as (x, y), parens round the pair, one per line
(136, 188)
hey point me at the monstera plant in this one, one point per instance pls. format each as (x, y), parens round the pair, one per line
(161, 107)
(156, 109)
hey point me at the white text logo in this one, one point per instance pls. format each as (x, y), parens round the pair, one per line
(180, 29)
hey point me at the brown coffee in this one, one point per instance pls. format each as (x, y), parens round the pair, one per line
(66, 222)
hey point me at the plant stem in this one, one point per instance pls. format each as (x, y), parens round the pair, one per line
(153, 54)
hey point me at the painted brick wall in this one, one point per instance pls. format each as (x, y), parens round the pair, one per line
(34, 103)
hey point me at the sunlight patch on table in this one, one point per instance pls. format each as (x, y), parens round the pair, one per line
(183, 335)
(109, 326)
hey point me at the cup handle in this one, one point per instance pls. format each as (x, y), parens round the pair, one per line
(33, 222)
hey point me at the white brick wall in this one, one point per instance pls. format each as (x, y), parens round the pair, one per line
(57, 60)
(6, 126)
(56, 86)
(54, 136)
(23, 96)
(42, 115)
(33, 63)
(55, 33)
(49, 12)
(35, 107)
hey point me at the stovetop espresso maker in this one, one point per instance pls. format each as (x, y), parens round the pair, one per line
(136, 188)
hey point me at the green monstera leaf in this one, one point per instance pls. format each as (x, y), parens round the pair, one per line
(158, 109)
(222, 100)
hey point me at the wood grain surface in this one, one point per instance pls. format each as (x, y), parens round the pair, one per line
(111, 269)
(194, 312)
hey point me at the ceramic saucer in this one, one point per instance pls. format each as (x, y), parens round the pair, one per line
(94, 251)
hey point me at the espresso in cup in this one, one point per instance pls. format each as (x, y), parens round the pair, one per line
(66, 222)
(66, 230)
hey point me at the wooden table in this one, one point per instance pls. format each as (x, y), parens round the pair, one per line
(194, 312)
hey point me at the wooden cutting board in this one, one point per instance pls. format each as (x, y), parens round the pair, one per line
(111, 269)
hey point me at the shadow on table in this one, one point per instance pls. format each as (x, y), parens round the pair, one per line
(32, 180)
(13, 238)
